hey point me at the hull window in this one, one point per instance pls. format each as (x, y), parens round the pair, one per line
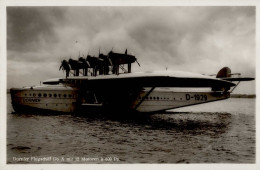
(44, 95)
(65, 95)
(39, 95)
(55, 95)
(50, 95)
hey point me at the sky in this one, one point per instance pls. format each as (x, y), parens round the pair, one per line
(193, 39)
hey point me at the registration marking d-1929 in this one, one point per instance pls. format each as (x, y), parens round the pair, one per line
(198, 97)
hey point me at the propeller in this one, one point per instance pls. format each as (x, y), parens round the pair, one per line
(135, 59)
(88, 63)
(137, 62)
(110, 61)
(61, 66)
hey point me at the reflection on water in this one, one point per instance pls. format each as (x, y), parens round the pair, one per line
(173, 121)
(178, 136)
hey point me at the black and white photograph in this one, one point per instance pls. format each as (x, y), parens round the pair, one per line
(131, 85)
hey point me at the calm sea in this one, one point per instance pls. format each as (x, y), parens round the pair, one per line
(218, 132)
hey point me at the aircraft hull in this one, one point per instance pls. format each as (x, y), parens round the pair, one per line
(68, 100)
(165, 100)
(44, 99)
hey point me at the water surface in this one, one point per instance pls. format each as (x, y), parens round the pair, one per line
(219, 132)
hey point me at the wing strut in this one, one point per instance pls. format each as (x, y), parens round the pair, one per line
(147, 94)
(234, 87)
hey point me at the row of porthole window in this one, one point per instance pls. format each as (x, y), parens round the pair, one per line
(50, 95)
(157, 98)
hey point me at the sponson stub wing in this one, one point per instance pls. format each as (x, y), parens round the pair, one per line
(150, 79)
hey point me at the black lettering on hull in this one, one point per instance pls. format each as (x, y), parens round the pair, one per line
(29, 100)
(187, 97)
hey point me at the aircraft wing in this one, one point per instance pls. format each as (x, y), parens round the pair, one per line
(237, 78)
(152, 79)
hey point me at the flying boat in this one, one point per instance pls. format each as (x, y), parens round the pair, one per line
(103, 83)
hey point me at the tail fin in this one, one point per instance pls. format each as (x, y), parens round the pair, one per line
(224, 72)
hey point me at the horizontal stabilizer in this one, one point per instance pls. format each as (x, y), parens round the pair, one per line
(225, 74)
(238, 78)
